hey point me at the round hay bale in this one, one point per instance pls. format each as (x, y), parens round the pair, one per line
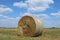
(29, 26)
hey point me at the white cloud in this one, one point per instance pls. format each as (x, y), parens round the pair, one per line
(27, 14)
(3, 9)
(20, 4)
(1, 5)
(44, 15)
(41, 16)
(39, 5)
(9, 22)
(1, 15)
(4, 16)
(35, 5)
(57, 14)
(8, 18)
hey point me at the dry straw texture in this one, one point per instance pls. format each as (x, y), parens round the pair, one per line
(29, 26)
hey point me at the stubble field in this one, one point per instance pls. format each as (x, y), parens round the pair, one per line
(11, 34)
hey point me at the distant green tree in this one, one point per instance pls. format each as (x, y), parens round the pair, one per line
(53, 27)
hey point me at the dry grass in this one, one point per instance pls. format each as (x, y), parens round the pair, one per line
(11, 34)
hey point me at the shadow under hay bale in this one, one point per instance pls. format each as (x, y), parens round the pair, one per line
(29, 26)
(37, 35)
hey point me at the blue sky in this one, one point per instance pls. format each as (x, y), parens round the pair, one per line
(48, 11)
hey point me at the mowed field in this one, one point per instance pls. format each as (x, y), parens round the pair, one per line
(11, 34)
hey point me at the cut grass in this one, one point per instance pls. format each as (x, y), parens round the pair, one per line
(11, 34)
